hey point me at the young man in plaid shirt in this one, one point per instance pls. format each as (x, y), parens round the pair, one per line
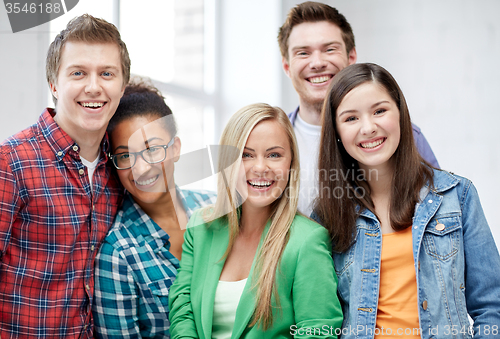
(57, 196)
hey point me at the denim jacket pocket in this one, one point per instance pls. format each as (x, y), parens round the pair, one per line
(442, 237)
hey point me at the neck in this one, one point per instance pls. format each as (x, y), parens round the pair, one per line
(88, 151)
(164, 211)
(310, 113)
(89, 142)
(254, 220)
(379, 179)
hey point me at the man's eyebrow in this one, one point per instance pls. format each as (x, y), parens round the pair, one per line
(334, 42)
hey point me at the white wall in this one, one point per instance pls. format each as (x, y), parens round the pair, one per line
(23, 88)
(250, 60)
(445, 56)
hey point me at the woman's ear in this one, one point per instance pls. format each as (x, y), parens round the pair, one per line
(176, 147)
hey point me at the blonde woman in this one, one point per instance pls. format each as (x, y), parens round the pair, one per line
(259, 270)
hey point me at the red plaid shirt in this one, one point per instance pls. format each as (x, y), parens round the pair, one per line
(51, 227)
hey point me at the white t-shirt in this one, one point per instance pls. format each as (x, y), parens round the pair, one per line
(90, 169)
(308, 140)
(227, 298)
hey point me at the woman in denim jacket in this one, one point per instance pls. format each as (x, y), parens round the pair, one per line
(412, 249)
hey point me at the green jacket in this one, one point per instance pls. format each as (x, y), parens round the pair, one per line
(306, 285)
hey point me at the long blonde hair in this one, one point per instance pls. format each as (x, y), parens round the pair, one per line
(283, 209)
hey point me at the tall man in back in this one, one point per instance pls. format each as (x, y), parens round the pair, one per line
(317, 42)
(57, 195)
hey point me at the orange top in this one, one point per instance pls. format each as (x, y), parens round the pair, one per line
(397, 314)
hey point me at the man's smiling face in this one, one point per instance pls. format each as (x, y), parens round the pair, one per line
(316, 52)
(88, 88)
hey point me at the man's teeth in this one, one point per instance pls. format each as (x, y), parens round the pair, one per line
(372, 144)
(317, 80)
(146, 182)
(260, 183)
(92, 104)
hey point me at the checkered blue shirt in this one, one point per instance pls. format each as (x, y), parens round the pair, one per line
(134, 270)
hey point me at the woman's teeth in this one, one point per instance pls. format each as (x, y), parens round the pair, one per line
(372, 144)
(260, 183)
(146, 182)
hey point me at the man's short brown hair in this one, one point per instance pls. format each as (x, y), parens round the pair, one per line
(86, 28)
(311, 11)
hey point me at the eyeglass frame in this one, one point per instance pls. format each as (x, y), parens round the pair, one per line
(140, 153)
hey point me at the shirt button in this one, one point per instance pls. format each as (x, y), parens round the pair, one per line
(81, 171)
(60, 153)
(75, 148)
(92, 247)
(88, 288)
(415, 227)
(424, 305)
(430, 201)
(93, 207)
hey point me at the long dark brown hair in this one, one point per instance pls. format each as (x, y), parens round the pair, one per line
(343, 189)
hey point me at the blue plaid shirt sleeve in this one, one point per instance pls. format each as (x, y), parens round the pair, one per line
(116, 296)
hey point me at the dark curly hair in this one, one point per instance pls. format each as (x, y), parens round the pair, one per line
(142, 99)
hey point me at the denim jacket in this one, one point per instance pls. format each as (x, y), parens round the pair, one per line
(457, 266)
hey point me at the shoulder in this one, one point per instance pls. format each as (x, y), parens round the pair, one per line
(416, 129)
(451, 185)
(304, 228)
(444, 181)
(20, 143)
(200, 221)
(194, 199)
(121, 235)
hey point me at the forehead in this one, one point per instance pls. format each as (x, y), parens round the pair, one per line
(366, 94)
(135, 131)
(268, 133)
(310, 33)
(90, 55)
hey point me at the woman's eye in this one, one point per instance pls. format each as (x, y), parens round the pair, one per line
(123, 156)
(274, 155)
(77, 73)
(246, 155)
(152, 149)
(350, 119)
(380, 111)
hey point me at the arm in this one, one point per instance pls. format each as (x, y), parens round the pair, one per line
(482, 264)
(115, 298)
(315, 300)
(423, 147)
(182, 324)
(9, 203)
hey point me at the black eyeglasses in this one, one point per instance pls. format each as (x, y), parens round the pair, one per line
(151, 155)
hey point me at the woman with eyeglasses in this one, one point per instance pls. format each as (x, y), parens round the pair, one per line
(140, 256)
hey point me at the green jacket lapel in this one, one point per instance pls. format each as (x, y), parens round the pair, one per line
(246, 306)
(215, 263)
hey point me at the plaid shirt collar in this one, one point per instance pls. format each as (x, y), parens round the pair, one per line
(60, 142)
(146, 227)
